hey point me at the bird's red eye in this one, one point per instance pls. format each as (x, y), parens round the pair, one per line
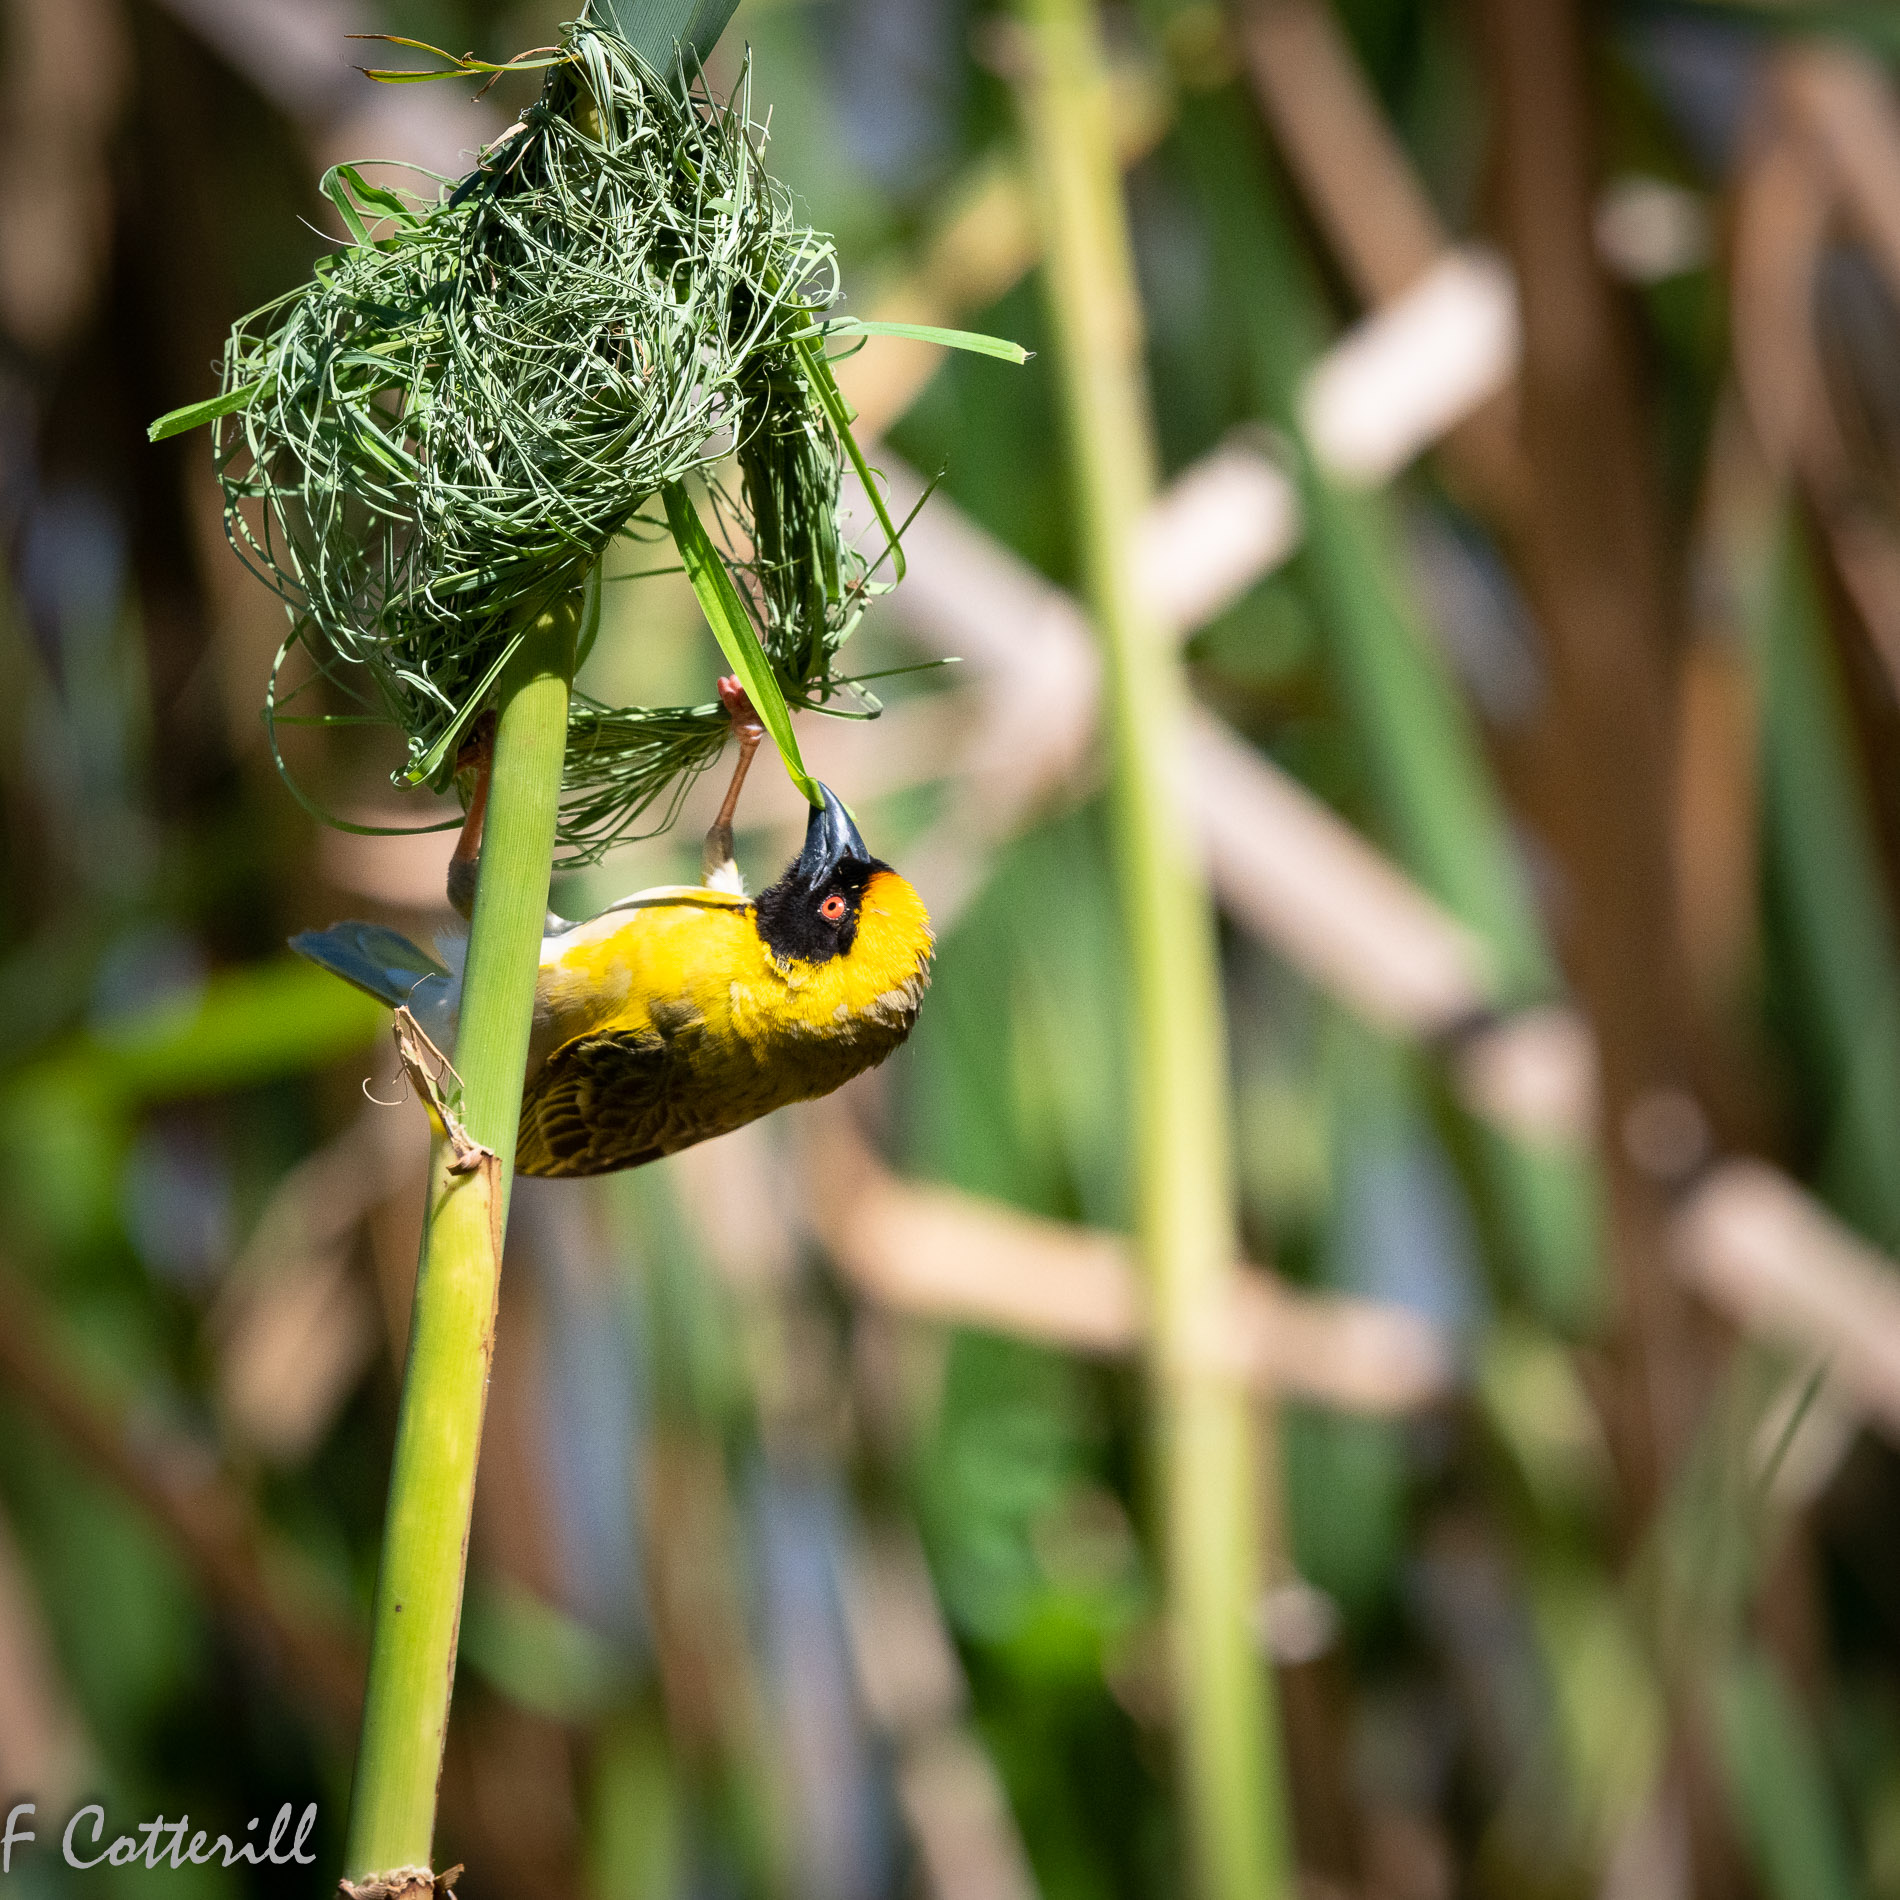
(832, 908)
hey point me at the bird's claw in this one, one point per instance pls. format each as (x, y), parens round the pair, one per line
(747, 726)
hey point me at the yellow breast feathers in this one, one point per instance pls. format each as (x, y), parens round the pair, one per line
(675, 946)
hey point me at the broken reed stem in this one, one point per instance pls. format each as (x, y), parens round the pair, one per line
(1227, 1735)
(452, 1329)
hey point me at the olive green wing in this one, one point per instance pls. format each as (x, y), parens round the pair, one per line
(596, 1105)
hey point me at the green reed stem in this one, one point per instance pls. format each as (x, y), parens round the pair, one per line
(1227, 1735)
(1825, 871)
(452, 1328)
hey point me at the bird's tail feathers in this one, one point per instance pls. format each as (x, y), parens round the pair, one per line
(386, 965)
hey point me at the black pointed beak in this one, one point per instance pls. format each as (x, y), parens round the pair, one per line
(830, 839)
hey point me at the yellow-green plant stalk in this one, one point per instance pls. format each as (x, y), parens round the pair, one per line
(1228, 1741)
(452, 1325)
(418, 516)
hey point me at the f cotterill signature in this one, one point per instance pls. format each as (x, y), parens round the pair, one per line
(82, 1846)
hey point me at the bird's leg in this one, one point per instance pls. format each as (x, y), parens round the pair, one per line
(718, 870)
(477, 756)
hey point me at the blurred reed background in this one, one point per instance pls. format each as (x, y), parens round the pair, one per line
(1475, 429)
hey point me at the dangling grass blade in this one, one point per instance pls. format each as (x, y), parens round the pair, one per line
(195, 415)
(824, 385)
(646, 573)
(589, 630)
(975, 341)
(338, 194)
(425, 768)
(891, 673)
(870, 705)
(831, 398)
(390, 202)
(732, 628)
(1764, 1479)
(273, 719)
(459, 64)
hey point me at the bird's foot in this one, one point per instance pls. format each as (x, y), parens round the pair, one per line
(477, 756)
(719, 870)
(747, 726)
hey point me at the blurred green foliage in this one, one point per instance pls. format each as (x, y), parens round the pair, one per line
(1511, 1657)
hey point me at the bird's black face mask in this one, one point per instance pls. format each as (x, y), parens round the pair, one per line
(811, 914)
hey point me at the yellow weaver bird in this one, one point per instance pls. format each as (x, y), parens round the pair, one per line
(684, 1011)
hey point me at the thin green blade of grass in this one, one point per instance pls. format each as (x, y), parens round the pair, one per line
(1423, 754)
(1424, 760)
(1825, 874)
(732, 627)
(825, 386)
(1778, 1785)
(976, 342)
(194, 415)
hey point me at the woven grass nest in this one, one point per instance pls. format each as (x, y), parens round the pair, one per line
(437, 437)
